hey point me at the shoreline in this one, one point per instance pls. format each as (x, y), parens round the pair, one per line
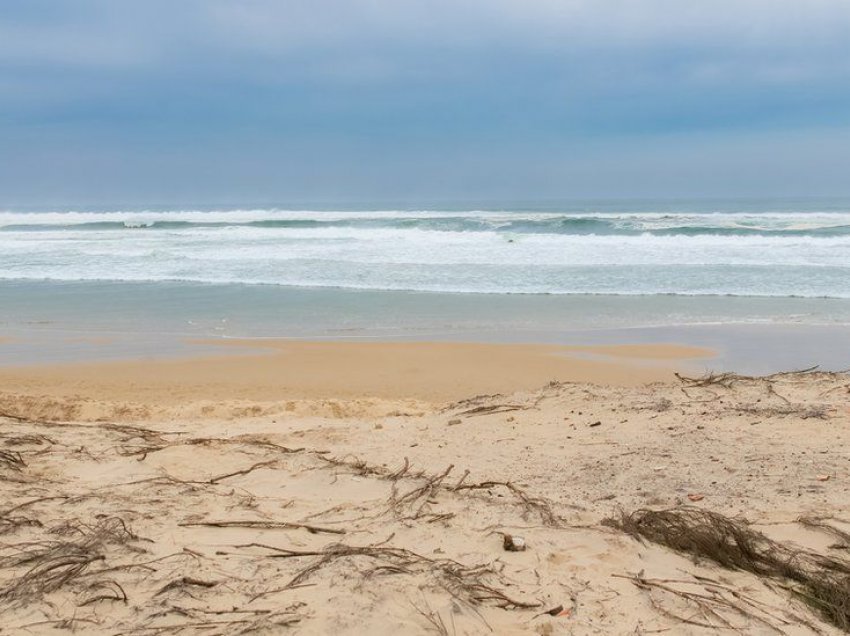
(53, 323)
(272, 375)
(752, 349)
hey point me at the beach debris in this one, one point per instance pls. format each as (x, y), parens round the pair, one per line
(52, 564)
(12, 460)
(185, 582)
(816, 523)
(454, 422)
(558, 610)
(823, 477)
(513, 543)
(820, 580)
(597, 423)
(696, 497)
(109, 591)
(489, 409)
(710, 604)
(262, 524)
(476, 584)
(541, 506)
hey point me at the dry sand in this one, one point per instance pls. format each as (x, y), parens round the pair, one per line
(385, 514)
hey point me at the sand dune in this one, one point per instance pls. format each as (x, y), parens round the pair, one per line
(352, 522)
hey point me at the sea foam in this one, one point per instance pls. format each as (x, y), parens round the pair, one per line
(725, 253)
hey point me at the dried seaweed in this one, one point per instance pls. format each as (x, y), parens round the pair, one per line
(416, 499)
(820, 524)
(728, 379)
(53, 564)
(713, 605)
(475, 584)
(822, 581)
(411, 505)
(12, 460)
(537, 505)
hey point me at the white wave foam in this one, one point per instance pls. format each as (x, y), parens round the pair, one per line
(653, 220)
(415, 258)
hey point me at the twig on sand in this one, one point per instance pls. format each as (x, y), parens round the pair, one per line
(728, 379)
(266, 525)
(434, 619)
(490, 409)
(420, 495)
(716, 605)
(434, 484)
(542, 507)
(467, 582)
(184, 582)
(261, 623)
(245, 471)
(112, 592)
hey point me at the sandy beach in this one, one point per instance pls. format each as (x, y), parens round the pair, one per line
(386, 318)
(270, 376)
(306, 488)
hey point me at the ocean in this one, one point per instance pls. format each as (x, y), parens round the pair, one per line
(751, 252)
(513, 272)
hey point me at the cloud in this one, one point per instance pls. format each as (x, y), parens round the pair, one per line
(400, 83)
(95, 32)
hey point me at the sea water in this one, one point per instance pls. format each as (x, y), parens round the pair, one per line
(751, 252)
(552, 273)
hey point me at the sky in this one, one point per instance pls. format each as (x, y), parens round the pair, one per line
(121, 102)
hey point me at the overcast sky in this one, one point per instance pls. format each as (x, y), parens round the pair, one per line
(215, 101)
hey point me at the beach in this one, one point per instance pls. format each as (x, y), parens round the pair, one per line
(396, 318)
(270, 376)
(309, 487)
(616, 421)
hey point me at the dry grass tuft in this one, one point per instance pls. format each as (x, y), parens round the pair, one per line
(51, 565)
(822, 581)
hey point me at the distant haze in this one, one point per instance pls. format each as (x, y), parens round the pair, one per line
(111, 101)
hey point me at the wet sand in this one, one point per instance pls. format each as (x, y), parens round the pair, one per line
(279, 371)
